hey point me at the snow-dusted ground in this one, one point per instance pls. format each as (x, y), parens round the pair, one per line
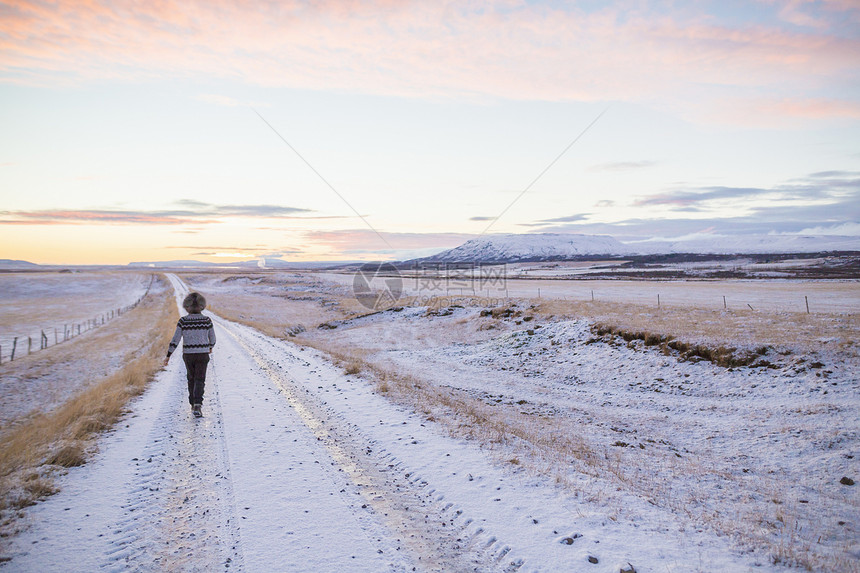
(780, 267)
(775, 296)
(755, 452)
(834, 296)
(298, 467)
(45, 379)
(33, 302)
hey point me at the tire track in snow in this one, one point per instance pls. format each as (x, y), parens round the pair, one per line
(330, 499)
(231, 523)
(443, 538)
(287, 457)
(157, 497)
(179, 511)
(442, 535)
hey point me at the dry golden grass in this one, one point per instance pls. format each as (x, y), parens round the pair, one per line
(715, 327)
(62, 438)
(82, 361)
(353, 367)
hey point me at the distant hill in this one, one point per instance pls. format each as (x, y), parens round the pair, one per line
(560, 246)
(252, 264)
(749, 245)
(10, 264)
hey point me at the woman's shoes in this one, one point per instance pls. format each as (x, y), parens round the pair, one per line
(197, 410)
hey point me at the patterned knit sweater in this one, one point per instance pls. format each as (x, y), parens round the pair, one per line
(197, 333)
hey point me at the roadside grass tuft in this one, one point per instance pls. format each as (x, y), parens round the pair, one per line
(352, 367)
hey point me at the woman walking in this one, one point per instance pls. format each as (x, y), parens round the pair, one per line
(198, 338)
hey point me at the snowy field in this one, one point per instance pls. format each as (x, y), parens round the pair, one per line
(45, 379)
(832, 296)
(34, 302)
(774, 296)
(755, 454)
(529, 443)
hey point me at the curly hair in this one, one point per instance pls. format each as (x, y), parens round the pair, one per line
(194, 303)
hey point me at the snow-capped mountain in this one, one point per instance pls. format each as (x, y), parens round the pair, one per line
(531, 246)
(559, 246)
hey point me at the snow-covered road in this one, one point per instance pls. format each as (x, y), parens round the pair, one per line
(299, 467)
(247, 487)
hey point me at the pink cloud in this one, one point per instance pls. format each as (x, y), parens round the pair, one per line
(87, 217)
(437, 49)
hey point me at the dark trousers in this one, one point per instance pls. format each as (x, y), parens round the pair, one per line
(195, 369)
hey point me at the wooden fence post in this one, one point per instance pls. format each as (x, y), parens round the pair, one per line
(56, 337)
(724, 303)
(806, 298)
(658, 300)
(29, 344)
(14, 346)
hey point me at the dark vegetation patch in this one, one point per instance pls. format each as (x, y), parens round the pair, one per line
(725, 356)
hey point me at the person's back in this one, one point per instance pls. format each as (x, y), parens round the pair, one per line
(197, 334)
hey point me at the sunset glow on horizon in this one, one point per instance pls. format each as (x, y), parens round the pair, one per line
(387, 129)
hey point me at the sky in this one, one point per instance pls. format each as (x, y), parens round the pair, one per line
(378, 130)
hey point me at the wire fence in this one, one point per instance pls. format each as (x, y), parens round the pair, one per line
(800, 303)
(18, 346)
